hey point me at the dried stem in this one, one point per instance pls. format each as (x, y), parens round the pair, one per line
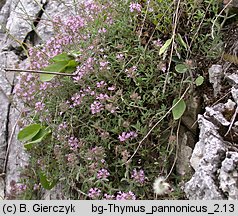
(157, 124)
(37, 71)
(172, 48)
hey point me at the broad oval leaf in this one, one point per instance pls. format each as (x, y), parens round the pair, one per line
(74, 53)
(61, 57)
(199, 81)
(38, 137)
(165, 46)
(28, 132)
(179, 109)
(55, 67)
(71, 66)
(181, 68)
(47, 184)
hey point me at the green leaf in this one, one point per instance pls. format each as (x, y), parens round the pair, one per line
(55, 67)
(38, 137)
(61, 57)
(74, 53)
(71, 66)
(47, 184)
(28, 132)
(181, 41)
(199, 81)
(165, 46)
(179, 109)
(176, 59)
(181, 68)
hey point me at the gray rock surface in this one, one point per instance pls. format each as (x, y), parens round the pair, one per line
(229, 175)
(17, 20)
(206, 159)
(7, 59)
(215, 157)
(183, 166)
(187, 135)
(54, 8)
(215, 76)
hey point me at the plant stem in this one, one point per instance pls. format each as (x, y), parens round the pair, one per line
(37, 71)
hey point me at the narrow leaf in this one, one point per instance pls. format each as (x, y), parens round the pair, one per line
(28, 132)
(179, 109)
(165, 46)
(181, 41)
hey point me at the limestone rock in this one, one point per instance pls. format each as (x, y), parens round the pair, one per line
(186, 140)
(203, 187)
(2, 188)
(21, 18)
(6, 60)
(54, 8)
(215, 165)
(229, 175)
(215, 76)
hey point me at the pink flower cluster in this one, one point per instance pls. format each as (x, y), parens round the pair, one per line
(131, 72)
(135, 7)
(26, 87)
(102, 97)
(84, 69)
(94, 193)
(62, 126)
(39, 106)
(158, 43)
(138, 176)
(121, 196)
(55, 45)
(102, 174)
(96, 154)
(101, 84)
(125, 196)
(96, 107)
(77, 99)
(125, 136)
(104, 65)
(73, 143)
(109, 197)
(75, 23)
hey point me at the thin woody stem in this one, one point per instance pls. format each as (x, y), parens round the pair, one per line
(38, 72)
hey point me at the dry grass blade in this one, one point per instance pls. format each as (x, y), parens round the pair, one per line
(37, 72)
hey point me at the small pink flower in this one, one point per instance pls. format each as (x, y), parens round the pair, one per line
(125, 196)
(119, 56)
(138, 176)
(102, 30)
(96, 107)
(94, 193)
(39, 106)
(135, 7)
(125, 136)
(102, 174)
(112, 88)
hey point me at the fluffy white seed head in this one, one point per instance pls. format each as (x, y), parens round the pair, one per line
(160, 186)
